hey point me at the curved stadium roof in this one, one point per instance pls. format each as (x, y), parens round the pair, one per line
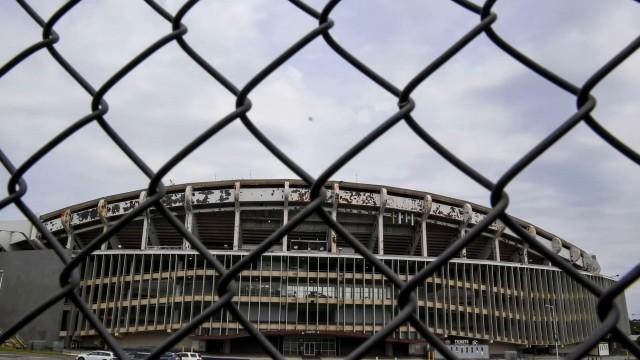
(261, 203)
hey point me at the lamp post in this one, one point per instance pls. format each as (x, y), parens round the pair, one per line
(555, 328)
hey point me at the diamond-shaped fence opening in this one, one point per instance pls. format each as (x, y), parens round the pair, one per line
(405, 284)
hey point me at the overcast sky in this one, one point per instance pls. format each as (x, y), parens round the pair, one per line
(483, 105)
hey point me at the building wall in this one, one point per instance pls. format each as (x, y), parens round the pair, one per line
(142, 341)
(29, 278)
(623, 323)
(142, 292)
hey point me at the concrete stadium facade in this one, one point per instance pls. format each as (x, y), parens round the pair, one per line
(311, 294)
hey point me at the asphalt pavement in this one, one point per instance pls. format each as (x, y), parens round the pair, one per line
(16, 356)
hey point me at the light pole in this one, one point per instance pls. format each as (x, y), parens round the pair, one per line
(555, 328)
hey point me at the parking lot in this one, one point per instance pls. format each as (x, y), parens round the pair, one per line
(26, 355)
(15, 356)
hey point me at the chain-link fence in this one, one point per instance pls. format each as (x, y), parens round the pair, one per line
(608, 313)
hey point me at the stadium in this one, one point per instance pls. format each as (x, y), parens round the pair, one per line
(311, 294)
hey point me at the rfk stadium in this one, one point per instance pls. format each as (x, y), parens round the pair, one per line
(311, 294)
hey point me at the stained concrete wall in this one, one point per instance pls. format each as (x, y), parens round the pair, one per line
(623, 323)
(144, 341)
(29, 278)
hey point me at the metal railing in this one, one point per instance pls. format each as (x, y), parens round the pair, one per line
(607, 311)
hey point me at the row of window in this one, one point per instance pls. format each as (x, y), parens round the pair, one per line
(305, 288)
(328, 314)
(106, 265)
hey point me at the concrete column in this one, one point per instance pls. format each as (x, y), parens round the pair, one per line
(383, 205)
(335, 199)
(420, 232)
(104, 218)
(145, 223)
(148, 233)
(236, 222)
(467, 214)
(525, 250)
(226, 346)
(426, 210)
(496, 240)
(188, 217)
(285, 213)
(102, 214)
(65, 219)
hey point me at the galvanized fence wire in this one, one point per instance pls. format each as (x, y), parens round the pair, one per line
(69, 279)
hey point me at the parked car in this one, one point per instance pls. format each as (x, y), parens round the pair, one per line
(97, 355)
(137, 355)
(188, 356)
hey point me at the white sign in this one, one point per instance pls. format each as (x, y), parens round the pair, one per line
(468, 351)
(464, 342)
(603, 349)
